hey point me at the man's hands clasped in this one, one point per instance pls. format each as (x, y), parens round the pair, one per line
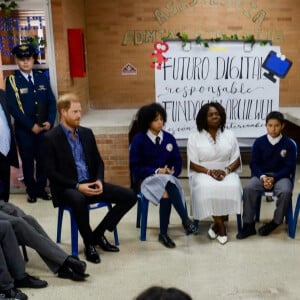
(91, 188)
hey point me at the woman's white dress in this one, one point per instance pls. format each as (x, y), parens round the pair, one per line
(210, 197)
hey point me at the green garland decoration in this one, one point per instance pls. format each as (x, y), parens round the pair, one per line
(224, 37)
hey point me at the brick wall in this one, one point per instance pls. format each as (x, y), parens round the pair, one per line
(114, 152)
(68, 14)
(121, 32)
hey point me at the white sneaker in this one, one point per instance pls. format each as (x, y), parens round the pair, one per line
(222, 239)
(212, 235)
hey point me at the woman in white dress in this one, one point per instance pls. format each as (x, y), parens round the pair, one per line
(213, 159)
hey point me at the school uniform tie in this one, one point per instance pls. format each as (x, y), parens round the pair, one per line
(157, 140)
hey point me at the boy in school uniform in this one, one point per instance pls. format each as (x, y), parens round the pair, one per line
(273, 160)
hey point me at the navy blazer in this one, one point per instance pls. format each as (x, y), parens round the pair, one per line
(60, 165)
(43, 93)
(12, 155)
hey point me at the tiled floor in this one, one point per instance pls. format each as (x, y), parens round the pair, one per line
(255, 268)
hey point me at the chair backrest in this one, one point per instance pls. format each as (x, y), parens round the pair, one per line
(293, 175)
(134, 129)
(135, 184)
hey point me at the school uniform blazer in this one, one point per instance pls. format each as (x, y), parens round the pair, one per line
(60, 165)
(12, 155)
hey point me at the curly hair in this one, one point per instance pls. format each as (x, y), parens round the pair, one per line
(148, 113)
(201, 118)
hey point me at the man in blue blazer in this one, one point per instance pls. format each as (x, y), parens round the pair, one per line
(32, 104)
(8, 150)
(76, 173)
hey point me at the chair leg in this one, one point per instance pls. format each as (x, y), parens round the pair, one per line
(295, 218)
(116, 236)
(25, 253)
(258, 205)
(290, 221)
(74, 235)
(144, 217)
(59, 224)
(138, 212)
(239, 223)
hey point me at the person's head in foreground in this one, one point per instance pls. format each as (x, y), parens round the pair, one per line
(161, 293)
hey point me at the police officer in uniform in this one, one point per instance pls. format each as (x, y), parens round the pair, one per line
(32, 104)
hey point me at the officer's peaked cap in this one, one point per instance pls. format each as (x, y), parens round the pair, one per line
(25, 50)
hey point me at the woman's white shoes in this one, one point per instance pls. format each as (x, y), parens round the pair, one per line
(212, 235)
(222, 239)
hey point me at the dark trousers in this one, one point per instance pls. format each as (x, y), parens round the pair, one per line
(4, 178)
(30, 233)
(12, 265)
(33, 161)
(123, 198)
(283, 189)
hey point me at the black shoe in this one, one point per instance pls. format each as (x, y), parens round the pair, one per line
(68, 273)
(75, 264)
(31, 199)
(44, 195)
(267, 228)
(13, 293)
(106, 245)
(166, 241)
(248, 230)
(30, 282)
(91, 254)
(190, 227)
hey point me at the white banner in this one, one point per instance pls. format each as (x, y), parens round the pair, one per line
(230, 73)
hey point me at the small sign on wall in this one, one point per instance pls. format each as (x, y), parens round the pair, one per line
(129, 69)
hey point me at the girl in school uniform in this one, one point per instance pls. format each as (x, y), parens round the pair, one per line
(156, 163)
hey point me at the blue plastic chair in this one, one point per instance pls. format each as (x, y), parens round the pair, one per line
(142, 215)
(290, 219)
(74, 228)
